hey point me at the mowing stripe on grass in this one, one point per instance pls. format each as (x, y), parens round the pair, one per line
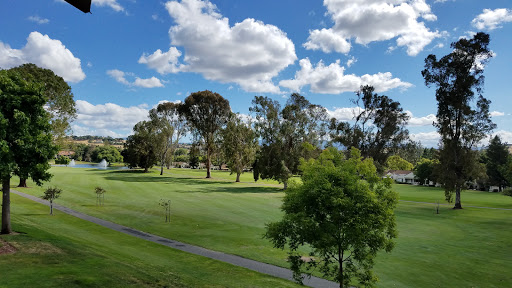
(479, 207)
(232, 259)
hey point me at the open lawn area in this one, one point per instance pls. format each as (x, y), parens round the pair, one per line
(64, 251)
(456, 248)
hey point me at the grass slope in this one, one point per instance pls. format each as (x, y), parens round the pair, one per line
(64, 251)
(467, 248)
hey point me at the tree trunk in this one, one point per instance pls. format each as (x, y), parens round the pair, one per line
(237, 177)
(145, 169)
(340, 263)
(285, 185)
(6, 206)
(23, 182)
(162, 170)
(51, 207)
(457, 199)
(208, 175)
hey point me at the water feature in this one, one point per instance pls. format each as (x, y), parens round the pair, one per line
(103, 164)
(72, 163)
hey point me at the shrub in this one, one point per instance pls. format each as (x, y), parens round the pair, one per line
(507, 192)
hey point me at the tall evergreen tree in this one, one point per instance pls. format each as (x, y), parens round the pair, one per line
(379, 129)
(206, 112)
(462, 122)
(496, 158)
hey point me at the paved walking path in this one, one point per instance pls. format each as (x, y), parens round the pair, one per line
(232, 259)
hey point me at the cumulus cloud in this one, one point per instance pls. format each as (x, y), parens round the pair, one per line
(38, 20)
(163, 63)
(109, 3)
(427, 139)
(367, 21)
(497, 114)
(120, 77)
(332, 79)
(249, 53)
(44, 52)
(345, 113)
(106, 119)
(428, 120)
(492, 19)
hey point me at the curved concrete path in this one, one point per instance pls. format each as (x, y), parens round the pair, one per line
(232, 259)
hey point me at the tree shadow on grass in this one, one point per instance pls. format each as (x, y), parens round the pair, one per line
(205, 185)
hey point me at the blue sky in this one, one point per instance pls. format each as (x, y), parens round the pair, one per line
(128, 55)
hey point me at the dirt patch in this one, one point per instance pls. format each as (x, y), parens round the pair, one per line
(36, 248)
(6, 248)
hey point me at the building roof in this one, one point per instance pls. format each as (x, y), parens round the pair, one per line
(399, 172)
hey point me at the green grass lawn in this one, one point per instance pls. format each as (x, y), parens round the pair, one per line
(466, 248)
(64, 251)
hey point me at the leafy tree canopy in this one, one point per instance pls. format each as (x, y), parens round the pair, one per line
(462, 122)
(60, 102)
(25, 140)
(343, 212)
(206, 112)
(396, 162)
(379, 128)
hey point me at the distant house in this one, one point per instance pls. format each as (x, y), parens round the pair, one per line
(66, 153)
(402, 176)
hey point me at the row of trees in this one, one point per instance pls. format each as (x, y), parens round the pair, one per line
(92, 153)
(274, 141)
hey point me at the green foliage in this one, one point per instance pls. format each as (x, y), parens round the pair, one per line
(180, 152)
(60, 102)
(50, 194)
(461, 121)
(206, 113)
(194, 156)
(507, 192)
(396, 162)
(424, 170)
(284, 133)
(99, 190)
(172, 125)
(379, 129)
(62, 160)
(25, 135)
(110, 153)
(343, 211)
(496, 158)
(83, 152)
(240, 144)
(141, 147)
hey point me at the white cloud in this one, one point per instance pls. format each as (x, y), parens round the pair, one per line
(351, 61)
(497, 114)
(249, 53)
(421, 121)
(163, 63)
(110, 3)
(327, 40)
(38, 20)
(107, 119)
(345, 114)
(333, 80)
(427, 139)
(492, 19)
(120, 77)
(44, 52)
(506, 136)
(148, 83)
(367, 21)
